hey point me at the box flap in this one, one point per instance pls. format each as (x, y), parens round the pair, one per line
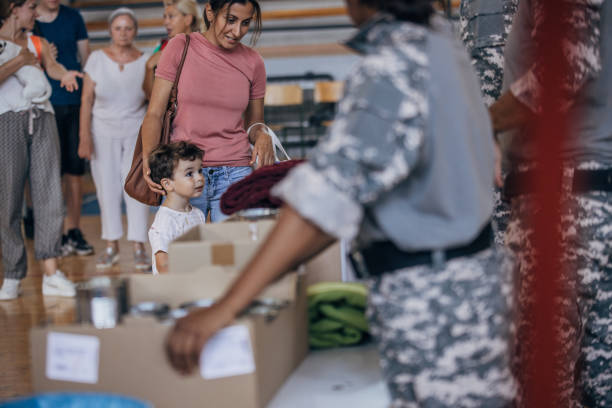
(229, 231)
(207, 282)
(185, 257)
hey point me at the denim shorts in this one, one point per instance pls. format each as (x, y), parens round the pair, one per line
(218, 179)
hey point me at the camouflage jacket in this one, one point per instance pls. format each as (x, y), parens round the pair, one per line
(409, 156)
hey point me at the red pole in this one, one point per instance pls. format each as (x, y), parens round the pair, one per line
(549, 130)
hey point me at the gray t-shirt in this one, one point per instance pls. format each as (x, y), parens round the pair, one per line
(409, 157)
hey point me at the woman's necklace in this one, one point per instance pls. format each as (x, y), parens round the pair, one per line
(121, 58)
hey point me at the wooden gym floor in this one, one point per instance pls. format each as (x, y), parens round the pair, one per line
(31, 308)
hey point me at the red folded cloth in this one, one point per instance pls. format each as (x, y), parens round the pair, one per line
(254, 190)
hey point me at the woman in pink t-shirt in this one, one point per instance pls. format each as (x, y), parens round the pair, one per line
(220, 94)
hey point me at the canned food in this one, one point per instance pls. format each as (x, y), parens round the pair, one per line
(102, 301)
(155, 309)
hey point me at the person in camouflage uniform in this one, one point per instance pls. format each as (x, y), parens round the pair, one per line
(585, 299)
(484, 27)
(407, 166)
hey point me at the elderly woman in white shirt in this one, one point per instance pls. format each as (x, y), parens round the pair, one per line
(112, 109)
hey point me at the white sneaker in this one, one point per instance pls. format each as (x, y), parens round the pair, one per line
(10, 289)
(58, 285)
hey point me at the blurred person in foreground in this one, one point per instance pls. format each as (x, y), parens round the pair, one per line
(405, 174)
(584, 300)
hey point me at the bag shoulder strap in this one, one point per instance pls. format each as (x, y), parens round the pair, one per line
(180, 67)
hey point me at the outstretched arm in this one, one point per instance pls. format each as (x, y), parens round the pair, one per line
(57, 71)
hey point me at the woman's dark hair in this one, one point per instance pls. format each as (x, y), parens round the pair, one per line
(6, 6)
(218, 5)
(415, 11)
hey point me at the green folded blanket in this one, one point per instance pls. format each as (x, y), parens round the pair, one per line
(336, 314)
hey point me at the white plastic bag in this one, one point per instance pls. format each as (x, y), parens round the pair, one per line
(276, 143)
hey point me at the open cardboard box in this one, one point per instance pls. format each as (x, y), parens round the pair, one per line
(129, 359)
(234, 243)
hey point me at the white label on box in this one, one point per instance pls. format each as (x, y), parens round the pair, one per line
(227, 353)
(72, 357)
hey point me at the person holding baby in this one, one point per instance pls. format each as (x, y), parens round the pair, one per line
(29, 149)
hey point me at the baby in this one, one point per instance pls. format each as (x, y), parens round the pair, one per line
(177, 167)
(36, 87)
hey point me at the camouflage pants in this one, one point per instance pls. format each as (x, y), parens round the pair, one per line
(444, 335)
(584, 301)
(501, 217)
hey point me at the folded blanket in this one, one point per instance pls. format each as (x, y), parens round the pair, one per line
(336, 314)
(254, 190)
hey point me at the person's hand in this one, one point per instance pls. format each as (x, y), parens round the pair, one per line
(53, 50)
(186, 340)
(153, 60)
(26, 57)
(499, 182)
(262, 149)
(85, 147)
(146, 173)
(69, 81)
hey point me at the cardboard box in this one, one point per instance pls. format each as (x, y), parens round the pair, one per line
(130, 359)
(234, 243)
(222, 244)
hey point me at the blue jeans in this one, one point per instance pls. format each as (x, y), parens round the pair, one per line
(218, 179)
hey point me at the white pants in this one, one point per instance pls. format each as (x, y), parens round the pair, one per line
(110, 164)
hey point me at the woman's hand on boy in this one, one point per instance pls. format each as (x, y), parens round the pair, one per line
(146, 173)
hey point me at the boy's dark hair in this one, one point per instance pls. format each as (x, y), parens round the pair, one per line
(164, 158)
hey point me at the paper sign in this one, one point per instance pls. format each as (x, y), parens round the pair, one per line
(72, 357)
(228, 353)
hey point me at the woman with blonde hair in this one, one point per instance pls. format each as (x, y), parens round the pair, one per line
(180, 17)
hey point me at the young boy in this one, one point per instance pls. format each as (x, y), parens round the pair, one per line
(177, 167)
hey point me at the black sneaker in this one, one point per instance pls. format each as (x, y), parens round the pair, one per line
(28, 223)
(81, 247)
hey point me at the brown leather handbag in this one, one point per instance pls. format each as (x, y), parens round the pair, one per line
(135, 184)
